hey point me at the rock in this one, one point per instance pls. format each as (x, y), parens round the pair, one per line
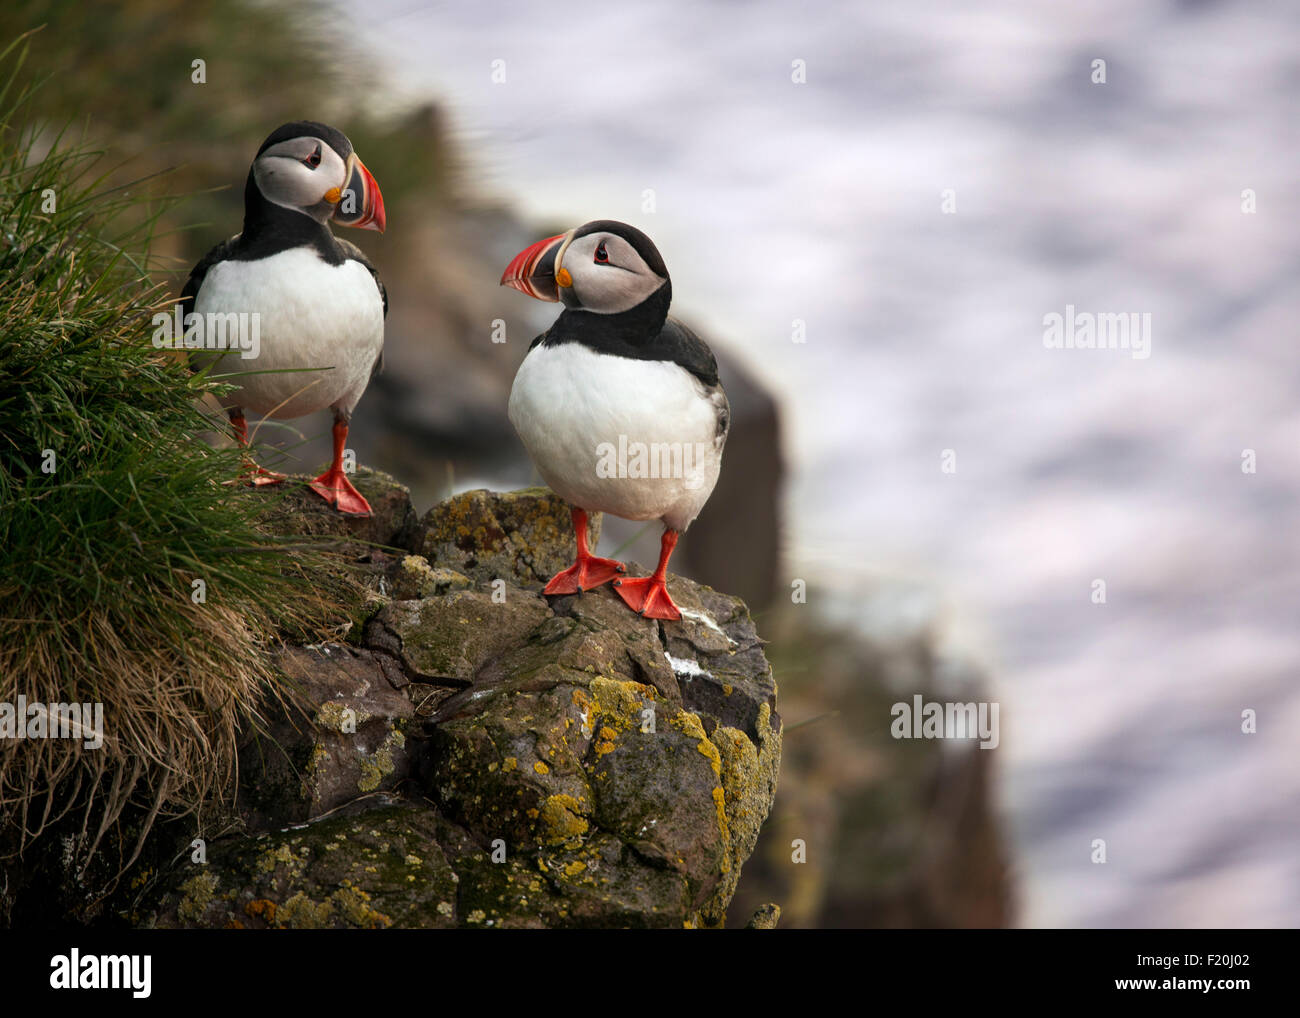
(447, 639)
(415, 578)
(380, 868)
(718, 657)
(566, 762)
(294, 509)
(765, 917)
(345, 737)
(524, 537)
(577, 745)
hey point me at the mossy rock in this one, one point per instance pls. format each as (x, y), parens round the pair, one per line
(579, 730)
(296, 510)
(344, 736)
(524, 537)
(567, 762)
(375, 869)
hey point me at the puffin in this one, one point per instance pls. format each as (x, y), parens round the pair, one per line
(319, 302)
(619, 405)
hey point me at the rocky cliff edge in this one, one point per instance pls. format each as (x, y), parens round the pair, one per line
(471, 753)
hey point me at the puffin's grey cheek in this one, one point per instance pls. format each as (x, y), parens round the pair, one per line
(270, 183)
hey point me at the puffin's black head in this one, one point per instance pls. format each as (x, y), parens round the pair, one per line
(605, 266)
(311, 168)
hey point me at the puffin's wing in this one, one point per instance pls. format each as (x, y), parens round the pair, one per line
(354, 253)
(687, 350)
(197, 274)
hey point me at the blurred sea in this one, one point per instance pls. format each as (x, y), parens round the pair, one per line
(821, 201)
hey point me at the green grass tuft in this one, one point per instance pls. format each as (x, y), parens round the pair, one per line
(111, 507)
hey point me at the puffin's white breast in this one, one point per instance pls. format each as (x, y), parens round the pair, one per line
(635, 438)
(310, 315)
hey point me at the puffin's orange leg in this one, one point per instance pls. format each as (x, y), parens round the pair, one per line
(588, 571)
(253, 475)
(333, 485)
(648, 595)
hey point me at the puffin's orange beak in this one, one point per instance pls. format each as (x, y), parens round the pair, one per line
(532, 270)
(361, 204)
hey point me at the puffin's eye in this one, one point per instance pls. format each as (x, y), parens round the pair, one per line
(602, 256)
(313, 160)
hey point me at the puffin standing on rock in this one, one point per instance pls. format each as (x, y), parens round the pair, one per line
(318, 302)
(618, 405)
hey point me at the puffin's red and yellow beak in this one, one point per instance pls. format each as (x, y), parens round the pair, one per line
(360, 204)
(532, 271)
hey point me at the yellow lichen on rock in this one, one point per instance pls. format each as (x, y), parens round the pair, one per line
(380, 764)
(354, 905)
(690, 724)
(562, 820)
(748, 780)
(605, 740)
(720, 805)
(261, 908)
(301, 913)
(417, 570)
(198, 893)
(620, 703)
(283, 855)
(337, 716)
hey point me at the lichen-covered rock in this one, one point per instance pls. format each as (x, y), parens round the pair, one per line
(571, 763)
(345, 736)
(449, 638)
(524, 537)
(380, 868)
(296, 510)
(415, 578)
(353, 562)
(576, 742)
